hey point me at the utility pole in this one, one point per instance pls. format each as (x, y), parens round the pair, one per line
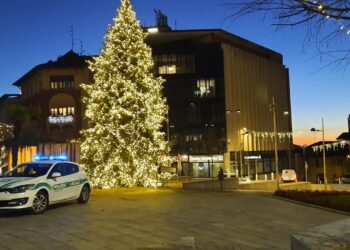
(273, 109)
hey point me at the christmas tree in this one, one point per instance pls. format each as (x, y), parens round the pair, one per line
(123, 145)
(6, 132)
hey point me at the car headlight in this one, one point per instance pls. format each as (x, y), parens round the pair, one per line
(20, 189)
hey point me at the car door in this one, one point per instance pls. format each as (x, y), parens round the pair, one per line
(72, 172)
(59, 184)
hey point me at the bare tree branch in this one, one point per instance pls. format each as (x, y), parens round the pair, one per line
(326, 21)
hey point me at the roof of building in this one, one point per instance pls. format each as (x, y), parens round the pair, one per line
(68, 60)
(212, 35)
(11, 97)
(344, 136)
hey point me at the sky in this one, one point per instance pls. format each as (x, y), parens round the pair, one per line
(36, 31)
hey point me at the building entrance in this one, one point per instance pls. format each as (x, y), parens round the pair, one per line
(206, 166)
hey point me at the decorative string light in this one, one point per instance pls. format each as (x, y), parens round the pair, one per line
(330, 146)
(321, 8)
(61, 119)
(6, 132)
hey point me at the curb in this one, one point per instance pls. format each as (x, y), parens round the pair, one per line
(309, 205)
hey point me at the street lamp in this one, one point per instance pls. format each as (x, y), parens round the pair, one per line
(229, 111)
(324, 154)
(234, 112)
(272, 107)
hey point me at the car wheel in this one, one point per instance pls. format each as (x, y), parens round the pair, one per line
(84, 194)
(40, 202)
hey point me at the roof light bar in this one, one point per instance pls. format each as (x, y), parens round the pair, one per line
(50, 158)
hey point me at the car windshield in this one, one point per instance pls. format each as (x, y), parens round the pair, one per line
(28, 170)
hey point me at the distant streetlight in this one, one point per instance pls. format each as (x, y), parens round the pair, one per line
(229, 111)
(324, 154)
(272, 107)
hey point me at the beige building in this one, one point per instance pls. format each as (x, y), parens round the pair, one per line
(54, 89)
(254, 76)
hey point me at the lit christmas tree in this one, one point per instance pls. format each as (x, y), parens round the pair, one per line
(6, 132)
(123, 145)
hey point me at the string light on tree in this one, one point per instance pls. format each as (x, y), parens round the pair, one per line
(6, 132)
(123, 145)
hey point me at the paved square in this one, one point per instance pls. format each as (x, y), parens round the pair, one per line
(163, 219)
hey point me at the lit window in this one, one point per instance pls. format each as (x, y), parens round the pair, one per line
(65, 111)
(62, 82)
(167, 69)
(205, 88)
(193, 137)
(174, 64)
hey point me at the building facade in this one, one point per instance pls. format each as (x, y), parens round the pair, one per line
(219, 88)
(53, 88)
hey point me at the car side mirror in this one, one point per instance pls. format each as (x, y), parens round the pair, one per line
(55, 175)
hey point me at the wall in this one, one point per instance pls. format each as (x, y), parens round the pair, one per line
(212, 185)
(251, 81)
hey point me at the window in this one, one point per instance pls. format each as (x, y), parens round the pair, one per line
(71, 168)
(205, 88)
(62, 82)
(174, 64)
(58, 168)
(167, 69)
(66, 111)
(193, 138)
(28, 170)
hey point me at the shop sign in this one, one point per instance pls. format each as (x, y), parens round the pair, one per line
(252, 157)
(61, 119)
(203, 158)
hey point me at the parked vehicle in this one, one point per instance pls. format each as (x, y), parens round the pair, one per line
(345, 179)
(45, 181)
(288, 175)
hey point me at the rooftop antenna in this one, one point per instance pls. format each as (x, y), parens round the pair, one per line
(81, 48)
(71, 34)
(161, 19)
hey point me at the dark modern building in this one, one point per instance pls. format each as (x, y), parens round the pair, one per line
(220, 89)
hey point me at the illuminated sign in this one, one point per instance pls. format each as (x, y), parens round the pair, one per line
(61, 119)
(203, 158)
(252, 157)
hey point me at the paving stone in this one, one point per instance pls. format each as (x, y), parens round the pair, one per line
(163, 219)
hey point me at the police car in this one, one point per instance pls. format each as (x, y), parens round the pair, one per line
(46, 180)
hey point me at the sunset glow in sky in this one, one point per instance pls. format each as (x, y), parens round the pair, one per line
(36, 31)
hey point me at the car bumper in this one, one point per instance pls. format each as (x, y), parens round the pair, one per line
(15, 201)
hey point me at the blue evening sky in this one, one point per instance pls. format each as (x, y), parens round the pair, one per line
(35, 31)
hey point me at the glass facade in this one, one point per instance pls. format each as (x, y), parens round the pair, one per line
(206, 166)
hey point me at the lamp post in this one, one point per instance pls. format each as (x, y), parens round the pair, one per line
(272, 107)
(273, 110)
(324, 154)
(234, 112)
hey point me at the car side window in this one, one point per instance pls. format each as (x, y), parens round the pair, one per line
(71, 168)
(58, 168)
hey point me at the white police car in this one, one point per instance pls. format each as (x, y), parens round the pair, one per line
(46, 180)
